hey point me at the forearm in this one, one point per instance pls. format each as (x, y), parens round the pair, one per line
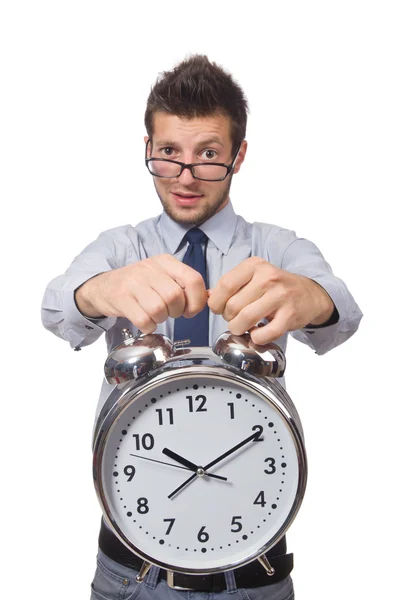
(304, 258)
(60, 313)
(324, 338)
(61, 316)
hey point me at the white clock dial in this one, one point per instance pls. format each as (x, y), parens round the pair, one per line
(210, 522)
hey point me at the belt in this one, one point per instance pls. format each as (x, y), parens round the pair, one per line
(249, 576)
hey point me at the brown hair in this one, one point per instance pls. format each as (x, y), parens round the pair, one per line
(198, 88)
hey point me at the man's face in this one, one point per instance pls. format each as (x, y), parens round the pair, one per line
(205, 139)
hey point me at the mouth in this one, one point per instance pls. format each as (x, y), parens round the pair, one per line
(184, 199)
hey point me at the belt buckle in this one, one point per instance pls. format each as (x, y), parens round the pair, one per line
(171, 584)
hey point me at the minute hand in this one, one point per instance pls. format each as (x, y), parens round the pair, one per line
(240, 445)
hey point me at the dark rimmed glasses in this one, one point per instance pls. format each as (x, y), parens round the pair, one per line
(163, 167)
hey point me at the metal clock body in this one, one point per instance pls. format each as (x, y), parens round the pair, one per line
(199, 458)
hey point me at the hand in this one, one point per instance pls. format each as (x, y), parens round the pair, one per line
(146, 292)
(255, 289)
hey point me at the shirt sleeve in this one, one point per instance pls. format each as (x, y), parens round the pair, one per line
(300, 256)
(111, 250)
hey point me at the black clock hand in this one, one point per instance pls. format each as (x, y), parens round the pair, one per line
(180, 459)
(191, 466)
(251, 438)
(184, 484)
(214, 462)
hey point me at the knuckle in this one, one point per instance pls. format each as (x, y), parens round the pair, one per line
(232, 307)
(261, 284)
(248, 313)
(163, 259)
(225, 285)
(157, 310)
(275, 275)
(256, 260)
(173, 296)
(194, 278)
(144, 323)
(283, 294)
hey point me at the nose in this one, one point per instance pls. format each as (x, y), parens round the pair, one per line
(186, 177)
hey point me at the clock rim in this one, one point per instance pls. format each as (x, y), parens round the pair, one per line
(131, 393)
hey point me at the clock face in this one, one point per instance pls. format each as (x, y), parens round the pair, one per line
(200, 473)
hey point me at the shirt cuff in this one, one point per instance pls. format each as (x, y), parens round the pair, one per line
(82, 330)
(327, 336)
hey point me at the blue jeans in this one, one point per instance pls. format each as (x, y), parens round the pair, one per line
(112, 581)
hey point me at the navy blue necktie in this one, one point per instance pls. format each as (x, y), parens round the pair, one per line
(196, 328)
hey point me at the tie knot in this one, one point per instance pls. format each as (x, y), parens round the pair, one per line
(196, 236)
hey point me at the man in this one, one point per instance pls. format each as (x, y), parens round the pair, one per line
(256, 277)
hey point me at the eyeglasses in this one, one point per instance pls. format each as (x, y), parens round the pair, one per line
(162, 167)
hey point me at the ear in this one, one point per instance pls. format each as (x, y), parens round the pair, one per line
(149, 150)
(241, 156)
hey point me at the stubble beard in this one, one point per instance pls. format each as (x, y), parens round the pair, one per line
(189, 216)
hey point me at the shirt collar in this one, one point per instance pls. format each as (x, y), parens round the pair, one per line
(219, 229)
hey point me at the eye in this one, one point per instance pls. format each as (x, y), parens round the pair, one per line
(168, 151)
(209, 154)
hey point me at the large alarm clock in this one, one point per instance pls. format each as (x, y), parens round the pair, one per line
(199, 457)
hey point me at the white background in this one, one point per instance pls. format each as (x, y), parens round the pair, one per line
(320, 78)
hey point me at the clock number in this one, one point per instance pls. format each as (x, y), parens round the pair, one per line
(236, 522)
(202, 535)
(170, 526)
(147, 441)
(271, 466)
(129, 470)
(197, 399)
(170, 414)
(260, 431)
(143, 507)
(231, 404)
(260, 499)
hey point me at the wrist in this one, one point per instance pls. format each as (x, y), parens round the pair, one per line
(83, 302)
(326, 307)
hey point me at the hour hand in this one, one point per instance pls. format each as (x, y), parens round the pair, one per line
(180, 459)
(186, 463)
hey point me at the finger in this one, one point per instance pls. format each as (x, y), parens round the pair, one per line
(171, 293)
(244, 297)
(189, 280)
(195, 297)
(270, 332)
(151, 303)
(249, 316)
(228, 285)
(132, 310)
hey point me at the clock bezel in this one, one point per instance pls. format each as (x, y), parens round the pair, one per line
(125, 394)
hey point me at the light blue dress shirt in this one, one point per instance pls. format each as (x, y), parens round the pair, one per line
(231, 240)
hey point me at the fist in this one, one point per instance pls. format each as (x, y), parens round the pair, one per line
(255, 289)
(146, 292)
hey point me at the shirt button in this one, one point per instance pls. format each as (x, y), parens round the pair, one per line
(88, 327)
